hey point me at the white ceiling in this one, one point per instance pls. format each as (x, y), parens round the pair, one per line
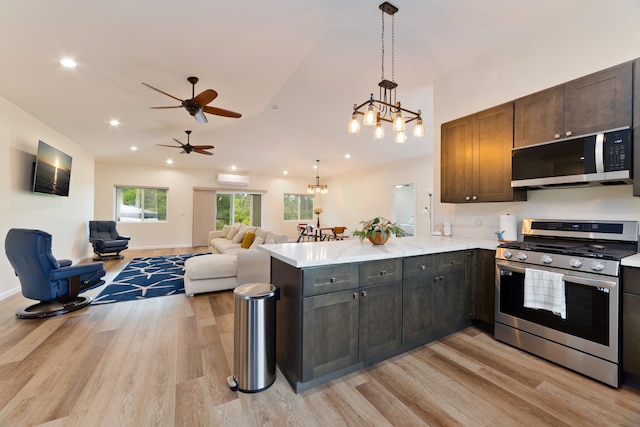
(313, 59)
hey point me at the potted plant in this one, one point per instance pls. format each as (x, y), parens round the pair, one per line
(378, 230)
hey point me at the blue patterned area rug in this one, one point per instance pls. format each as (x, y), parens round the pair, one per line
(145, 278)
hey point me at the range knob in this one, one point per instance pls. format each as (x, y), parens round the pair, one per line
(546, 259)
(575, 263)
(596, 266)
(522, 256)
(508, 254)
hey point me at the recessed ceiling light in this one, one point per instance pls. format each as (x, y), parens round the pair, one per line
(114, 123)
(347, 156)
(169, 161)
(68, 63)
(134, 148)
(233, 167)
(285, 172)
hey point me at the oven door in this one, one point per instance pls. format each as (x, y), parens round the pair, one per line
(592, 301)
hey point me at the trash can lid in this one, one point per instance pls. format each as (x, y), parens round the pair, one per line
(255, 291)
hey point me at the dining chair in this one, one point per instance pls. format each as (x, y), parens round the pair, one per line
(338, 233)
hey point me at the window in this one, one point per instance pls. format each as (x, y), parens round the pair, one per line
(138, 204)
(298, 208)
(243, 208)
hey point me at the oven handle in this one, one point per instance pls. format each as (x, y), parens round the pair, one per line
(567, 277)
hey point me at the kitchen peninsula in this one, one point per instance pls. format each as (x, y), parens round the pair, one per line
(345, 305)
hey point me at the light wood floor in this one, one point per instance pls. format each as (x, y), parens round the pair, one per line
(164, 362)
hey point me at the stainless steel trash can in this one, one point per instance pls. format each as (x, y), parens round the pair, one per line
(254, 344)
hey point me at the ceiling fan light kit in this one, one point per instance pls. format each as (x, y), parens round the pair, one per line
(386, 108)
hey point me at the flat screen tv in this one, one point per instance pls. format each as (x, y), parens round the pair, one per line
(52, 171)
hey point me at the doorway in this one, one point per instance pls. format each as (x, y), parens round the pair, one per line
(404, 207)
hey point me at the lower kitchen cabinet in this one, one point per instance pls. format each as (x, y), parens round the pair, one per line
(336, 319)
(329, 333)
(435, 296)
(485, 289)
(631, 325)
(380, 315)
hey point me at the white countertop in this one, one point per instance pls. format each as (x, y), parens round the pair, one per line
(631, 261)
(312, 254)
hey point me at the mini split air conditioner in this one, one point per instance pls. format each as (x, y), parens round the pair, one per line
(229, 179)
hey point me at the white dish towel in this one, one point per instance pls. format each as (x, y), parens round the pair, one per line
(545, 290)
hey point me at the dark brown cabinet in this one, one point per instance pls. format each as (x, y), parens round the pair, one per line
(593, 103)
(476, 157)
(329, 333)
(380, 308)
(335, 319)
(631, 324)
(485, 288)
(436, 296)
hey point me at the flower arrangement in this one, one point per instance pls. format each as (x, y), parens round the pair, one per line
(318, 210)
(378, 224)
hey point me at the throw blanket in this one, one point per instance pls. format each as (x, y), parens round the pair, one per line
(545, 290)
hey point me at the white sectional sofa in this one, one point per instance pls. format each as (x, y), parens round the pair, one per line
(234, 260)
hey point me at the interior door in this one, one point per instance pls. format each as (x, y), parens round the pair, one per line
(204, 215)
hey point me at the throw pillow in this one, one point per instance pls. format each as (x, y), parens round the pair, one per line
(225, 231)
(232, 233)
(247, 240)
(271, 241)
(239, 236)
(256, 242)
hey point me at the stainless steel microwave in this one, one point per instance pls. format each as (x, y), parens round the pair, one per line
(602, 158)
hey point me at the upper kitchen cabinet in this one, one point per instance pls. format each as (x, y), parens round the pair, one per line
(594, 103)
(476, 157)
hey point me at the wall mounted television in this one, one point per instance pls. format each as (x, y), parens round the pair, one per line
(52, 171)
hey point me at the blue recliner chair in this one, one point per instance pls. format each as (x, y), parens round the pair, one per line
(56, 284)
(106, 240)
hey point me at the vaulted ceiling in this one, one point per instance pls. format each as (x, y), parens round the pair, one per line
(293, 68)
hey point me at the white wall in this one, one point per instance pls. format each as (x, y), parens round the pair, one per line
(592, 39)
(177, 230)
(65, 218)
(362, 195)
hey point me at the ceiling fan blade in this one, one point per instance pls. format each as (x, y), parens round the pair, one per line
(173, 106)
(221, 112)
(162, 92)
(163, 145)
(203, 147)
(202, 152)
(206, 97)
(178, 142)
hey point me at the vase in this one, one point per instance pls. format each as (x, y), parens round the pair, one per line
(378, 238)
(318, 223)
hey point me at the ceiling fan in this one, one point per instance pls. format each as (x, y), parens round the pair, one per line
(188, 148)
(197, 105)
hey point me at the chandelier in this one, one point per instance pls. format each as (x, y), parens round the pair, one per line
(317, 187)
(386, 108)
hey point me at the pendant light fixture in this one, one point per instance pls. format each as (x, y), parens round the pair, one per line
(317, 187)
(387, 108)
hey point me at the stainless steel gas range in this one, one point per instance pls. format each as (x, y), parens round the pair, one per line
(558, 292)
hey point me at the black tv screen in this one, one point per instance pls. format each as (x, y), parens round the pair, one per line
(52, 172)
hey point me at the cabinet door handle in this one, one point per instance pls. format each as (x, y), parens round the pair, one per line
(423, 267)
(569, 133)
(355, 295)
(467, 198)
(556, 136)
(475, 197)
(364, 293)
(333, 280)
(383, 272)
